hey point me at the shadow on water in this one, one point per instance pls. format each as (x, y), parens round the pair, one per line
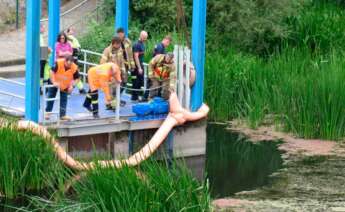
(234, 164)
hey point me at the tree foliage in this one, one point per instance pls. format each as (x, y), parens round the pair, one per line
(257, 26)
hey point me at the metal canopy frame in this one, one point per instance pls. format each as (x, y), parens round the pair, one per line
(33, 14)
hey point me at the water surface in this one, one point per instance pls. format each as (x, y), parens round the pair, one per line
(234, 164)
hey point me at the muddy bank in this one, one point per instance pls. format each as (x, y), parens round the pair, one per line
(313, 177)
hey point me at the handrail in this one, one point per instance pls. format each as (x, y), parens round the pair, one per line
(12, 81)
(12, 108)
(87, 63)
(91, 52)
(68, 11)
(85, 17)
(12, 95)
(184, 93)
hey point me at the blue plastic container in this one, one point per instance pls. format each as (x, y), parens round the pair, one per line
(142, 109)
(159, 106)
(156, 106)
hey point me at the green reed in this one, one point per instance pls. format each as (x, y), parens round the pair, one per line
(27, 164)
(151, 187)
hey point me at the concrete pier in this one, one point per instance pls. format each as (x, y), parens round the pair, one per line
(116, 139)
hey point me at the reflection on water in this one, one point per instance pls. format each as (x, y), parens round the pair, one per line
(235, 164)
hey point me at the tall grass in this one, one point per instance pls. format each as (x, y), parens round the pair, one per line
(152, 187)
(304, 91)
(317, 26)
(27, 164)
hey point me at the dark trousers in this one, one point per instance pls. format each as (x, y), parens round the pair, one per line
(63, 101)
(75, 55)
(92, 99)
(138, 82)
(42, 65)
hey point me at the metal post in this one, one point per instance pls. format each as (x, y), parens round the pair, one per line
(32, 78)
(145, 78)
(58, 96)
(198, 51)
(84, 69)
(187, 78)
(43, 108)
(130, 142)
(122, 14)
(17, 14)
(180, 75)
(54, 26)
(118, 100)
(176, 56)
(169, 145)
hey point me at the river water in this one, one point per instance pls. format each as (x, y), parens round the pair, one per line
(233, 164)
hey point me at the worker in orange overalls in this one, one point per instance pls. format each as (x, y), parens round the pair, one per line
(100, 77)
(64, 75)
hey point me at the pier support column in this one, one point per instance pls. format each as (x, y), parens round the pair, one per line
(54, 26)
(130, 143)
(198, 51)
(169, 148)
(32, 67)
(122, 14)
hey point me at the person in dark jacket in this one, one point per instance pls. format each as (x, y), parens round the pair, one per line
(161, 47)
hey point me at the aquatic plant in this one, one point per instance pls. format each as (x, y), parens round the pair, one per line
(317, 26)
(151, 187)
(304, 91)
(27, 163)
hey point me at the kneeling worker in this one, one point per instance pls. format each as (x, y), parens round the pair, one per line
(64, 75)
(162, 75)
(100, 77)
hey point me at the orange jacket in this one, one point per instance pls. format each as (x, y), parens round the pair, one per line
(62, 76)
(99, 77)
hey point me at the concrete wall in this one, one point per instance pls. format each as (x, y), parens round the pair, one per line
(188, 140)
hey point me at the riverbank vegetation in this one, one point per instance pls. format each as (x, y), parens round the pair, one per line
(282, 59)
(27, 163)
(151, 187)
(300, 82)
(31, 175)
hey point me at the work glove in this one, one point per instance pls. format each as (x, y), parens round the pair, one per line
(109, 107)
(113, 103)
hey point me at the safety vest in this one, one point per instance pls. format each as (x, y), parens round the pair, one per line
(115, 56)
(100, 76)
(74, 42)
(161, 71)
(64, 77)
(128, 54)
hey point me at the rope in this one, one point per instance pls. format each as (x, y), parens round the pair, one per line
(147, 89)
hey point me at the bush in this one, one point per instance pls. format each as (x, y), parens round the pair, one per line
(256, 26)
